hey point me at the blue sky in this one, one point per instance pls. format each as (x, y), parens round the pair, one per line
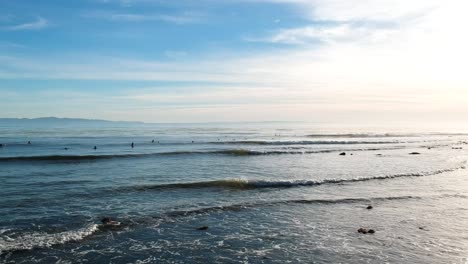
(234, 60)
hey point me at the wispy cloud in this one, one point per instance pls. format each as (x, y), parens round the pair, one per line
(37, 24)
(336, 33)
(180, 18)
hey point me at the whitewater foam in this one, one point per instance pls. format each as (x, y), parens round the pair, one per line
(31, 240)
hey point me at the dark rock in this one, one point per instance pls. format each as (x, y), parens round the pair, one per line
(414, 153)
(362, 230)
(106, 220)
(203, 228)
(369, 207)
(342, 153)
(371, 231)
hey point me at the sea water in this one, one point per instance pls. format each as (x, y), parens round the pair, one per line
(259, 192)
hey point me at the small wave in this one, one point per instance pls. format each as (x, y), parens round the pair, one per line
(28, 241)
(306, 142)
(363, 135)
(257, 184)
(238, 207)
(232, 152)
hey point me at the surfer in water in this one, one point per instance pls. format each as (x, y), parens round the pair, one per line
(95, 148)
(133, 145)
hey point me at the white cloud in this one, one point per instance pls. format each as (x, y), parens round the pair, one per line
(181, 18)
(340, 33)
(39, 23)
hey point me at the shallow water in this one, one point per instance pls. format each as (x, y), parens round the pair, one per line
(267, 193)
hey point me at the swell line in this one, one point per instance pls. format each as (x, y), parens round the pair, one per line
(230, 152)
(240, 184)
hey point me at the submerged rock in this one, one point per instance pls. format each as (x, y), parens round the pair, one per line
(369, 207)
(342, 153)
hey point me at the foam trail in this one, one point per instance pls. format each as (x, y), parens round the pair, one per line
(28, 241)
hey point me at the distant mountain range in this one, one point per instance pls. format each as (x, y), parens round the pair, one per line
(51, 121)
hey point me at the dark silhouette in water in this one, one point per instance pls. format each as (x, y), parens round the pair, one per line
(203, 228)
(95, 147)
(29, 142)
(133, 145)
(366, 231)
(152, 141)
(1, 145)
(65, 148)
(106, 220)
(109, 223)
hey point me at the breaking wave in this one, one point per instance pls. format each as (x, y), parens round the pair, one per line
(241, 184)
(31, 240)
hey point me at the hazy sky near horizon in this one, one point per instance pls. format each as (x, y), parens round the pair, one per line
(235, 60)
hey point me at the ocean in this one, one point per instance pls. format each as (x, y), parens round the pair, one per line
(232, 193)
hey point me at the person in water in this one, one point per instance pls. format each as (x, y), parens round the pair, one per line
(95, 147)
(152, 141)
(133, 145)
(29, 142)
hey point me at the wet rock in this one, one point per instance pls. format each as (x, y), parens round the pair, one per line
(106, 220)
(414, 153)
(369, 207)
(362, 230)
(342, 153)
(366, 231)
(203, 228)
